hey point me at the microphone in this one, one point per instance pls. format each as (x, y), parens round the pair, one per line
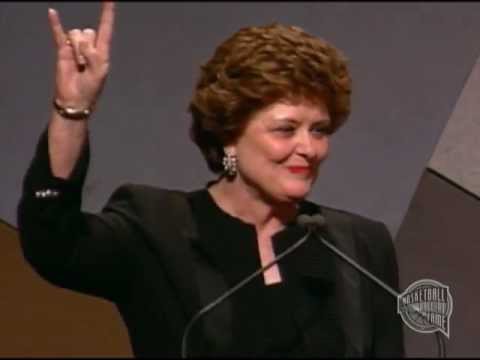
(309, 222)
(315, 223)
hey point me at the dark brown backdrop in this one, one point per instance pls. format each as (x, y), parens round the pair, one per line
(40, 320)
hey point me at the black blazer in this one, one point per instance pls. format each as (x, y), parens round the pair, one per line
(138, 254)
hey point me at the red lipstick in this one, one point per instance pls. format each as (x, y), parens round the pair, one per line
(299, 169)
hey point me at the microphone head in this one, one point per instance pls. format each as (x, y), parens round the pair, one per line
(317, 220)
(304, 220)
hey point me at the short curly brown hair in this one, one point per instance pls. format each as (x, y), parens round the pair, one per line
(255, 67)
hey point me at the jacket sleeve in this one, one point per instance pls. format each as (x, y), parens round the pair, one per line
(67, 247)
(388, 339)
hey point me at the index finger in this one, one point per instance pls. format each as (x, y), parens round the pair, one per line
(105, 28)
(56, 26)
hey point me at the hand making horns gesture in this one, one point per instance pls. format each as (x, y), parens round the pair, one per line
(82, 59)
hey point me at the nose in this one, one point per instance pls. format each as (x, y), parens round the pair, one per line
(311, 147)
(305, 145)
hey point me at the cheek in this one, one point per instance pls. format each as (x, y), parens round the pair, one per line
(277, 151)
(268, 152)
(322, 147)
(324, 150)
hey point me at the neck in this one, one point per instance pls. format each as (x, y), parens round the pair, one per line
(246, 203)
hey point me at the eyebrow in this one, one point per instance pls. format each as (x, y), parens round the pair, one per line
(324, 121)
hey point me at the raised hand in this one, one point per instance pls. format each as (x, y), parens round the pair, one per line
(82, 59)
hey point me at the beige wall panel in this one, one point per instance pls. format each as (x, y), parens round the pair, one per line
(457, 154)
(438, 240)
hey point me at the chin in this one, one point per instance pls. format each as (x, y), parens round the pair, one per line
(296, 192)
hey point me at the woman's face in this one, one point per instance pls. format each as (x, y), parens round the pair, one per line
(281, 149)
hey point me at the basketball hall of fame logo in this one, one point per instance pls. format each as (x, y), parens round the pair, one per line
(426, 306)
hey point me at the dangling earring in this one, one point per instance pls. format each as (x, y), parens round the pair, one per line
(230, 165)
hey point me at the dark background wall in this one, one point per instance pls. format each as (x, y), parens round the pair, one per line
(409, 62)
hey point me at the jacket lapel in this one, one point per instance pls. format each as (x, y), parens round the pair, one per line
(214, 328)
(318, 265)
(350, 292)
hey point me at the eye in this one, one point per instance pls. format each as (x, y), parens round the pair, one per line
(285, 130)
(320, 131)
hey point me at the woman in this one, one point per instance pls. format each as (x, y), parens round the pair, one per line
(263, 111)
